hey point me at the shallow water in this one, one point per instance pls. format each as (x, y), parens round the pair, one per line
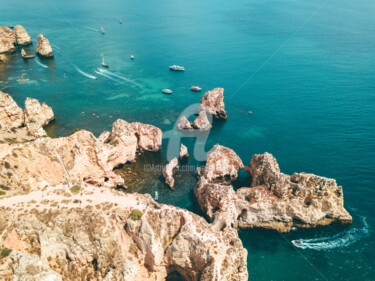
(304, 68)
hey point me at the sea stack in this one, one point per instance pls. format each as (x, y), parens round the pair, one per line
(168, 172)
(21, 35)
(43, 48)
(7, 40)
(213, 103)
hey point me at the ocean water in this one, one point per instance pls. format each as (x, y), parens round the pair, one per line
(306, 69)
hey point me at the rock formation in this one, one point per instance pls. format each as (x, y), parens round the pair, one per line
(213, 103)
(184, 124)
(148, 136)
(201, 122)
(43, 48)
(222, 163)
(7, 40)
(38, 112)
(22, 37)
(168, 172)
(112, 236)
(274, 200)
(11, 115)
(183, 151)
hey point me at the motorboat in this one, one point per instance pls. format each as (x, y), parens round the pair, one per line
(102, 30)
(103, 62)
(156, 196)
(177, 68)
(167, 91)
(120, 20)
(297, 242)
(196, 89)
(132, 57)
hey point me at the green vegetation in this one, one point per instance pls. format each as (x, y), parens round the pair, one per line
(5, 252)
(76, 130)
(75, 188)
(6, 165)
(15, 155)
(136, 215)
(11, 140)
(2, 192)
(115, 142)
(4, 187)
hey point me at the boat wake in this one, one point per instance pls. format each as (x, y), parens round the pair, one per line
(55, 47)
(107, 76)
(109, 73)
(85, 74)
(90, 28)
(41, 64)
(339, 240)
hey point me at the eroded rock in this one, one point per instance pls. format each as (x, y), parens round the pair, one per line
(22, 37)
(202, 122)
(213, 103)
(11, 115)
(184, 124)
(183, 151)
(7, 40)
(168, 172)
(43, 48)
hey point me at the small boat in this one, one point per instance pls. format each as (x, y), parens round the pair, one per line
(103, 62)
(132, 57)
(177, 68)
(297, 242)
(195, 88)
(25, 56)
(167, 91)
(120, 20)
(156, 196)
(102, 30)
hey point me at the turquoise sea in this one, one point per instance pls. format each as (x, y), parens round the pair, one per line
(306, 69)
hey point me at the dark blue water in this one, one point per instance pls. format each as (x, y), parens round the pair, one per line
(305, 69)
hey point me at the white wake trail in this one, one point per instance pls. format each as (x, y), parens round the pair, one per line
(107, 76)
(339, 240)
(85, 74)
(41, 64)
(118, 76)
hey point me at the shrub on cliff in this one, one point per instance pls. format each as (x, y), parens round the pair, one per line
(136, 215)
(5, 252)
(75, 188)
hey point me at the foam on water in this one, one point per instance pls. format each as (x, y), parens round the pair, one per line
(90, 28)
(41, 64)
(118, 76)
(340, 240)
(107, 76)
(85, 74)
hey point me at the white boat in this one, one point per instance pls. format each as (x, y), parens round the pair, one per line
(132, 57)
(176, 68)
(196, 88)
(102, 30)
(103, 62)
(167, 91)
(297, 242)
(120, 20)
(156, 196)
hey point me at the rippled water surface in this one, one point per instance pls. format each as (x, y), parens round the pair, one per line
(305, 69)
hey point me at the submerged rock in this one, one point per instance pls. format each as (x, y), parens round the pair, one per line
(213, 103)
(7, 40)
(43, 48)
(168, 172)
(274, 200)
(22, 37)
(183, 151)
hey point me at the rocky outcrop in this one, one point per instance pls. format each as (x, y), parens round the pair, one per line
(183, 151)
(222, 164)
(184, 124)
(38, 112)
(11, 115)
(43, 48)
(102, 239)
(168, 172)
(213, 103)
(148, 136)
(22, 37)
(201, 122)
(274, 200)
(7, 40)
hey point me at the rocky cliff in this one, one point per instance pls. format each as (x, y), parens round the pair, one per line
(9, 38)
(274, 200)
(43, 47)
